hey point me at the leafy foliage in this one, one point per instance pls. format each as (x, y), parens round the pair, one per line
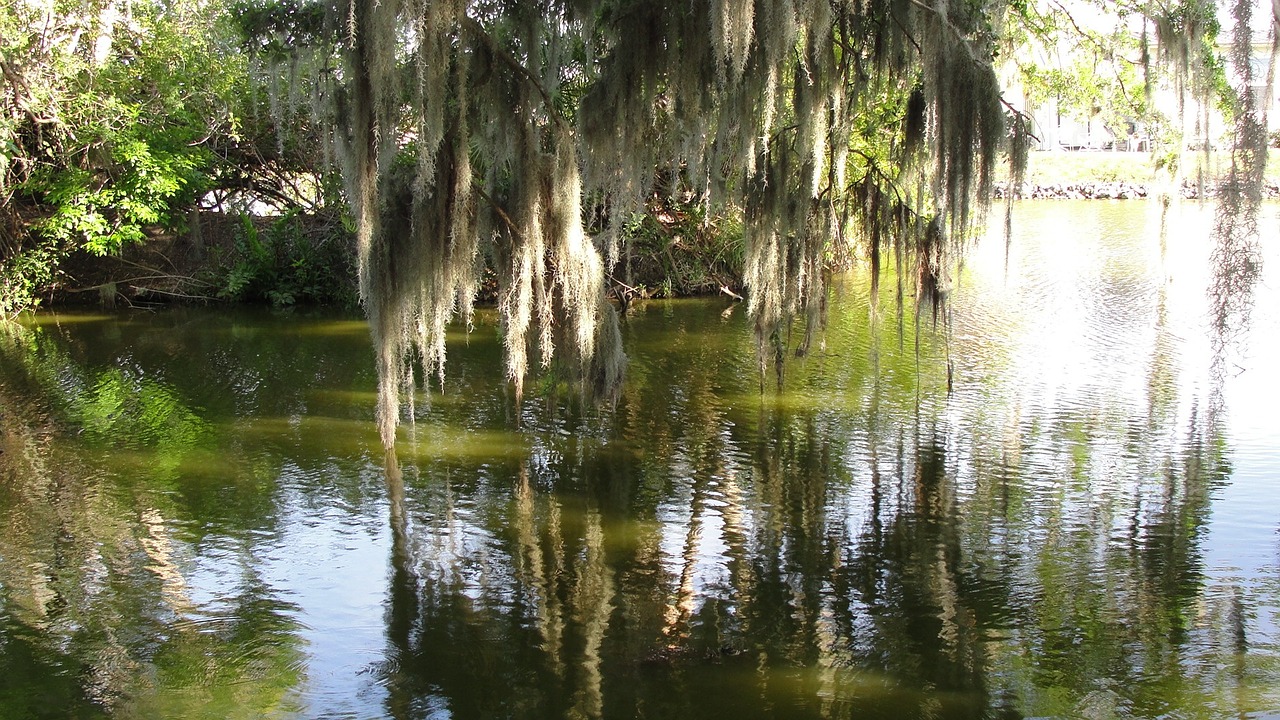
(105, 125)
(289, 263)
(673, 246)
(152, 179)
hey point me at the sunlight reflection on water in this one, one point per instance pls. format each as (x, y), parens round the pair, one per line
(198, 518)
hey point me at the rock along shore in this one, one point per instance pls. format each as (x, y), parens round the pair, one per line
(1112, 191)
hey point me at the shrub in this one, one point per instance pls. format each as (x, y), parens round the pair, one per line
(296, 259)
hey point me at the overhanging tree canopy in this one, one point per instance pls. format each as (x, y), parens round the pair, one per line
(479, 131)
(518, 135)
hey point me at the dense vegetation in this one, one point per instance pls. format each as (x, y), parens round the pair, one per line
(119, 121)
(548, 153)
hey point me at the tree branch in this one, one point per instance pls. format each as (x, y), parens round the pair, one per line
(506, 219)
(474, 26)
(1103, 50)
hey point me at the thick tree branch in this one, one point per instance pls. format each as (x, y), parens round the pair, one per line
(506, 219)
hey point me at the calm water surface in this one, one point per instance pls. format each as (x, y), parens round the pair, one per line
(196, 518)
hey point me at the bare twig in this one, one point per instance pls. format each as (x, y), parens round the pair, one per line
(1106, 52)
(184, 296)
(634, 291)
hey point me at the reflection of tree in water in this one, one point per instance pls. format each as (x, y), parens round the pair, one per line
(814, 562)
(506, 623)
(1105, 582)
(94, 592)
(734, 595)
(96, 616)
(907, 572)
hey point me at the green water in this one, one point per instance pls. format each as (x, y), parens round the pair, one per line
(197, 520)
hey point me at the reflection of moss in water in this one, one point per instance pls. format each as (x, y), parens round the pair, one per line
(1120, 609)
(997, 533)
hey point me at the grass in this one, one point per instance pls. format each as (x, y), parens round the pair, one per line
(1047, 168)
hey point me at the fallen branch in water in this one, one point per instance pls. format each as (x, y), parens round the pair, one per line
(725, 289)
(130, 280)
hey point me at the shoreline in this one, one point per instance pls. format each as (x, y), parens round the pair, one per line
(1115, 190)
(1121, 175)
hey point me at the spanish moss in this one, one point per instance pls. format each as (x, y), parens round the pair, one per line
(1236, 259)
(481, 134)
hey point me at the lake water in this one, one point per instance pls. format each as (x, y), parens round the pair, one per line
(197, 520)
